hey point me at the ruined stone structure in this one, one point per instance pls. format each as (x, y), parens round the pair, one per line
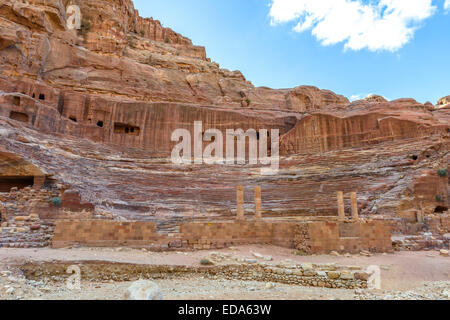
(320, 237)
(306, 274)
(88, 115)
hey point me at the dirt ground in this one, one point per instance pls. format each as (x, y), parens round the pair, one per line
(404, 275)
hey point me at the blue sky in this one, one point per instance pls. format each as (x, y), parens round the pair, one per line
(396, 48)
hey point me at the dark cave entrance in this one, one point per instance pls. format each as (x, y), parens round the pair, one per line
(126, 129)
(19, 116)
(440, 209)
(7, 183)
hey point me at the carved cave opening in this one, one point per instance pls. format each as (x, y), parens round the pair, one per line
(289, 124)
(8, 182)
(121, 128)
(100, 124)
(41, 96)
(440, 209)
(19, 116)
(72, 118)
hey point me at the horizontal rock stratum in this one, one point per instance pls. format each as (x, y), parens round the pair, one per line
(95, 108)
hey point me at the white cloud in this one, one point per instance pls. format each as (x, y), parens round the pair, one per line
(447, 5)
(376, 25)
(360, 96)
(356, 97)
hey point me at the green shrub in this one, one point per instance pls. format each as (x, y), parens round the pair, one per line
(131, 41)
(248, 101)
(85, 27)
(206, 262)
(300, 253)
(56, 201)
(439, 198)
(442, 172)
(167, 40)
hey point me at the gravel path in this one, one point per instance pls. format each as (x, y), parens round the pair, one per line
(405, 275)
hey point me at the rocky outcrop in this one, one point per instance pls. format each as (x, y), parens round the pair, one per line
(361, 124)
(307, 99)
(375, 98)
(443, 102)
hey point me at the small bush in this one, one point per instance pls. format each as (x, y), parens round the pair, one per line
(142, 32)
(439, 198)
(85, 27)
(300, 253)
(56, 201)
(167, 40)
(442, 172)
(131, 41)
(248, 101)
(206, 262)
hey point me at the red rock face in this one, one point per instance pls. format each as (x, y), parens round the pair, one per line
(96, 108)
(361, 124)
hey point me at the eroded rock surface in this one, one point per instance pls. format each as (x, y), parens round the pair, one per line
(444, 102)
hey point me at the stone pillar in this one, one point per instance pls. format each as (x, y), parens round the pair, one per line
(258, 212)
(341, 208)
(38, 182)
(419, 216)
(240, 203)
(419, 213)
(355, 214)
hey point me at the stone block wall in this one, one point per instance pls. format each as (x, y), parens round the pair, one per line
(100, 233)
(25, 232)
(312, 237)
(28, 215)
(306, 274)
(20, 226)
(283, 234)
(324, 237)
(219, 235)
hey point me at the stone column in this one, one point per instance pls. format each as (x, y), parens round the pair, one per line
(258, 212)
(38, 182)
(341, 208)
(355, 215)
(420, 213)
(240, 203)
(419, 216)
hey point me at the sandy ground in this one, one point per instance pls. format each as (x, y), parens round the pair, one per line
(404, 275)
